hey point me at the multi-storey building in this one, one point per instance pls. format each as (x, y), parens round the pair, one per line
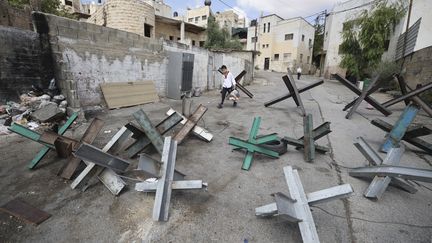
(281, 43)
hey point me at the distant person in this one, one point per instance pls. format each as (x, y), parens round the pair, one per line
(299, 71)
(228, 85)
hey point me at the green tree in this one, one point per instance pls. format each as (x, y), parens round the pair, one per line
(218, 38)
(46, 6)
(365, 38)
(318, 44)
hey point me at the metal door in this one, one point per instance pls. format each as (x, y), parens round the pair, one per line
(266, 63)
(187, 72)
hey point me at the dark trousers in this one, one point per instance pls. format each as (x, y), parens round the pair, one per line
(224, 92)
(298, 75)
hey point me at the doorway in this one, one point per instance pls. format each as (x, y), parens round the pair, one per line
(266, 63)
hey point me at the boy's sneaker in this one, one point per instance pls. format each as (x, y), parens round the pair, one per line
(219, 106)
(234, 104)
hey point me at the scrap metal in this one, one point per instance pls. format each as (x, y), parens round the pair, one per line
(289, 95)
(295, 206)
(90, 153)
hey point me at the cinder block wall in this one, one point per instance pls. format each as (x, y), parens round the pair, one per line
(87, 55)
(21, 63)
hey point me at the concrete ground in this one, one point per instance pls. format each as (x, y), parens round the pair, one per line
(225, 212)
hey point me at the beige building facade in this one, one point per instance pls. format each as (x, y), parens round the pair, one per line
(282, 43)
(229, 19)
(197, 16)
(176, 30)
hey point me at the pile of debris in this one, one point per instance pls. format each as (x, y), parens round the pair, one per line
(36, 109)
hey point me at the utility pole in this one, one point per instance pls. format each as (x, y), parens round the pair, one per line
(322, 50)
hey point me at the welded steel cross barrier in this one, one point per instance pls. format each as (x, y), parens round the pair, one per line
(307, 142)
(405, 88)
(411, 135)
(289, 95)
(293, 92)
(107, 176)
(362, 96)
(141, 139)
(398, 131)
(358, 92)
(25, 132)
(253, 143)
(166, 182)
(408, 95)
(295, 206)
(379, 183)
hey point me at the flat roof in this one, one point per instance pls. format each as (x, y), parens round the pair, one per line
(188, 27)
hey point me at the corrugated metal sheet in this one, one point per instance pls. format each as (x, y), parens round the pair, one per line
(410, 41)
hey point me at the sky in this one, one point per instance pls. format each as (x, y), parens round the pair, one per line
(251, 9)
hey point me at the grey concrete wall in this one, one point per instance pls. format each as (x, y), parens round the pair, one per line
(22, 63)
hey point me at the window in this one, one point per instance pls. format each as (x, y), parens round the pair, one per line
(196, 19)
(307, 59)
(263, 46)
(204, 17)
(202, 43)
(386, 45)
(268, 27)
(68, 2)
(178, 38)
(267, 45)
(171, 37)
(289, 36)
(301, 58)
(310, 42)
(302, 37)
(193, 42)
(147, 30)
(276, 57)
(190, 19)
(286, 56)
(254, 39)
(264, 28)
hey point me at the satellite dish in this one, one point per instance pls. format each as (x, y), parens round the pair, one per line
(207, 2)
(175, 14)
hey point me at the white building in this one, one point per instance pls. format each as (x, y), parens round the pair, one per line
(282, 43)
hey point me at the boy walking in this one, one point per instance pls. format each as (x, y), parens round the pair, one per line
(228, 85)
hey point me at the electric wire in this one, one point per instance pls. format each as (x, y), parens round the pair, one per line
(373, 221)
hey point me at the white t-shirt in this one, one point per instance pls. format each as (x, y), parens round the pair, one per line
(299, 70)
(229, 81)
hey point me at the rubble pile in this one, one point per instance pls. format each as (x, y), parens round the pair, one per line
(37, 109)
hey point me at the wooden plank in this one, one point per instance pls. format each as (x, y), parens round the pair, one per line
(129, 93)
(88, 137)
(190, 124)
(63, 147)
(24, 211)
(49, 138)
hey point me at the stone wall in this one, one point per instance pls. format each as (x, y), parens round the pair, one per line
(127, 15)
(417, 68)
(15, 17)
(24, 61)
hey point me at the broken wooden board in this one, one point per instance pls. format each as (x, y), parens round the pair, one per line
(129, 93)
(197, 130)
(24, 211)
(190, 124)
(88, 137)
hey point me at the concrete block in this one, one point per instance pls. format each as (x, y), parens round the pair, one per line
(73, 24)
(85, 35)
(47, 113)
